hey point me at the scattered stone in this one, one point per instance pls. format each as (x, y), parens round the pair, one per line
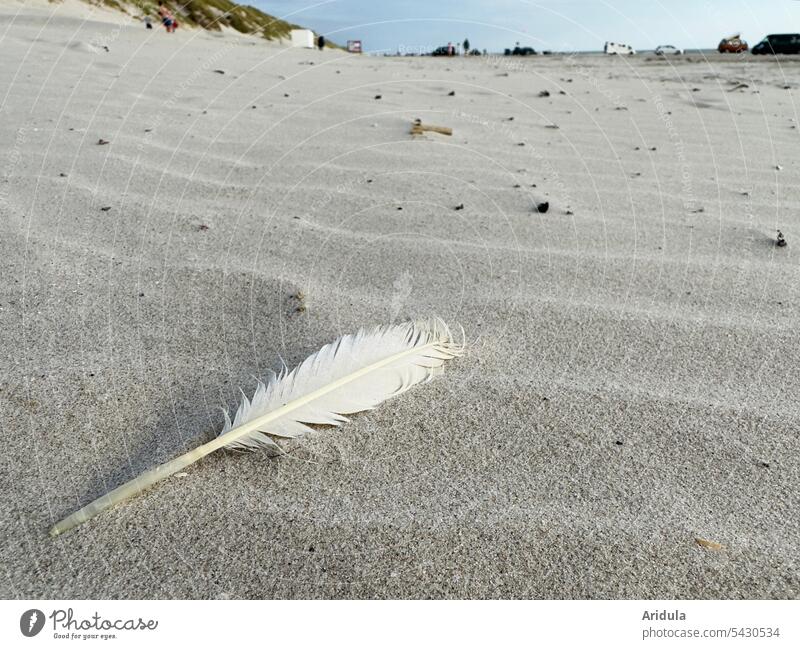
(553, 126)
(569, 212)
(764, 465)
(378, 96)
(105, 209)
(202, 227)
(619, 442)
(452, 93)
(101, 142)
(780, 241)
(542, 207)
(778, 168)
(544, 93)
(459, 206)
(220, 71)
(63, 175)
(520, 143)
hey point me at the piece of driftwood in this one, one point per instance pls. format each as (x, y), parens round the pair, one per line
(418, 128)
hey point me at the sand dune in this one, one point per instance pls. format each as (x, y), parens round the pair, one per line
(632, 376)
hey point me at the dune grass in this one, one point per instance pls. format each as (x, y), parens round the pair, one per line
(211, 15)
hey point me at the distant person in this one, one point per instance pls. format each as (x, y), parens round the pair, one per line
(450, 49)
(466, 46)
(321, 42)
(148, 22)
(167, 19)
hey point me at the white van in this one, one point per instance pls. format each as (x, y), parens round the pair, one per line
(618, 48)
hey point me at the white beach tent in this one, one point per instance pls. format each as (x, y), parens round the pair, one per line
(302, 38)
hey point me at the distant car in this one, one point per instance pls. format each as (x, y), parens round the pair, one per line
(444, 50)
(779, 44)
(520, 51)
(732, 45)
(667, 50)
(618, 48)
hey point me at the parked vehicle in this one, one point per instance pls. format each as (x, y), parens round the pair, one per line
(520, 51)
(779, 44)
(618, 48)
(732, 45)
(444, 50)
(667, 50)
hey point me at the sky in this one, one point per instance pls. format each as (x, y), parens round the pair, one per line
(559, 25)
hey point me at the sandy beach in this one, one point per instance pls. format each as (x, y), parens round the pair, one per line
(179, 212)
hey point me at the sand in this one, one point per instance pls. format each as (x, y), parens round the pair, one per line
(632, 376)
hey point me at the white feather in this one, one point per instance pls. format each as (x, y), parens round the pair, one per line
(356, 372)
(415, 351)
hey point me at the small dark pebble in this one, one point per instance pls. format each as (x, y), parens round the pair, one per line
(569, 213)
(780, 241)
(141, 294)
(542, 207)
(452, 93)
(285, 94)
(520, 143)
(220, 71)
(101, 141)
(544, 93)
(460, 206)
(764, 465)
(311, 548)
(561, 92)
(105, 209)
(202, 227)
(517, 186)
(399, 209)
(619, 442)
(63, 175)
(378, 96)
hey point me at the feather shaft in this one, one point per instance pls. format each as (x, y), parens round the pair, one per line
(151, 477)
